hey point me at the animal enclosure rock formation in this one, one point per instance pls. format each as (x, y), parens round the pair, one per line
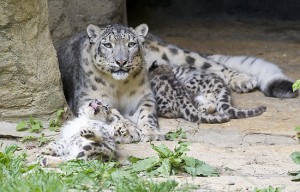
(30, 82)
(67, 18)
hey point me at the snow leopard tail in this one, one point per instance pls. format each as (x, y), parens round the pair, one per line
(191, 113)
(208, 118)
(271, 81)
(235, 113)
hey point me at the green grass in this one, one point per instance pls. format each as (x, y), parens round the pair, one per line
(77, 175)
(269, 189)
(170, 162)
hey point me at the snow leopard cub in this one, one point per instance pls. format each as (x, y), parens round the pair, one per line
(92, 135)
(187, 92)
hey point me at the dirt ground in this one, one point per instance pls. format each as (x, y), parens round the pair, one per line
(251, 152)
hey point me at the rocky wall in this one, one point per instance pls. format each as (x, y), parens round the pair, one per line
(67, 17)
(30, 82)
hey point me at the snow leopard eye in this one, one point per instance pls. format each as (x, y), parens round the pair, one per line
(106, 107)
(131, 44)
(107, 45)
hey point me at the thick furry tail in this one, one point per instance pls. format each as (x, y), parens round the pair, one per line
(235, 113)
(271, 81)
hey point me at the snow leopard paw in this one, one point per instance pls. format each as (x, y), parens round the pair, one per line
(242, 83)
(91, 135)
(49, 161)
(151, 134)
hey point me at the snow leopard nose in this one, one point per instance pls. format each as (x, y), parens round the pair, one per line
(121, 62)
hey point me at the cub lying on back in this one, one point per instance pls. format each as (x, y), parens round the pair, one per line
(194, 94)
(92, 135)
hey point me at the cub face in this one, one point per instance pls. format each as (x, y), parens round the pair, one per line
(96, 110)
(117, 50)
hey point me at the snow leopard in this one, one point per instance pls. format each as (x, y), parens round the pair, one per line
(111, 63)
(108, 63)
(194, 94)
(92, 135)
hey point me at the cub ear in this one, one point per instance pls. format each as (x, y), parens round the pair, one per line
(93, 32)
(142, 30)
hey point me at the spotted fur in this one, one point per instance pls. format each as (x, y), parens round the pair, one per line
(111, 63)
(193, 94)
(174, 100)
(241, 73)
(108, 63)
(92, 135)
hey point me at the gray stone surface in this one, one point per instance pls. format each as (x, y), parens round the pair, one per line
(30, 82)
(67, 18)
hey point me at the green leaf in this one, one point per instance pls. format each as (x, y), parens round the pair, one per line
(31, 120)
(35, 128)
(297, 128)
(178, 134)
(295, 156)
(145, 164)
(162, 150)
(28, 139)
(10, 150)
(297, 177)
(176, 161)
(59, 113)
(182, 149)
(133, 159)
(296, 85)
(165, 168)
(22, 126)
(196, 167)
(43, 140)
(268, 189)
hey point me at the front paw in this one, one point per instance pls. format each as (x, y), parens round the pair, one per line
(243, 83)
(86, 133)
(49, 161)
(49, 150)
(151, 134)
(126, 132)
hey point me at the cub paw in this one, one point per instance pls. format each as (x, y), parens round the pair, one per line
(47, 151)
(50, 149)
(243, 83)
(91, 135)
(120, 129)
(126, 132)
(86, 133)
(49, 161)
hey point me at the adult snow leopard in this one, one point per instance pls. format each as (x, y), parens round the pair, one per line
(108, 63)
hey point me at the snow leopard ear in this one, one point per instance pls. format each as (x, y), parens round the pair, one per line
(142, 30)
(93, 32)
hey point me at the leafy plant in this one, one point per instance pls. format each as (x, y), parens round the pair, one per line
(178, 134)
(268, 189)
(76, 175)
(42, 140)
(33, 125)
(170, 162)
(295, 156)
(56, 123)
(296, 85)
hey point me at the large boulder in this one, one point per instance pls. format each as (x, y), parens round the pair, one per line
(67, 18)
(30, 82)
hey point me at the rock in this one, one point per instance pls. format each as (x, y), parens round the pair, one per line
(30, 82)
(67, 18)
